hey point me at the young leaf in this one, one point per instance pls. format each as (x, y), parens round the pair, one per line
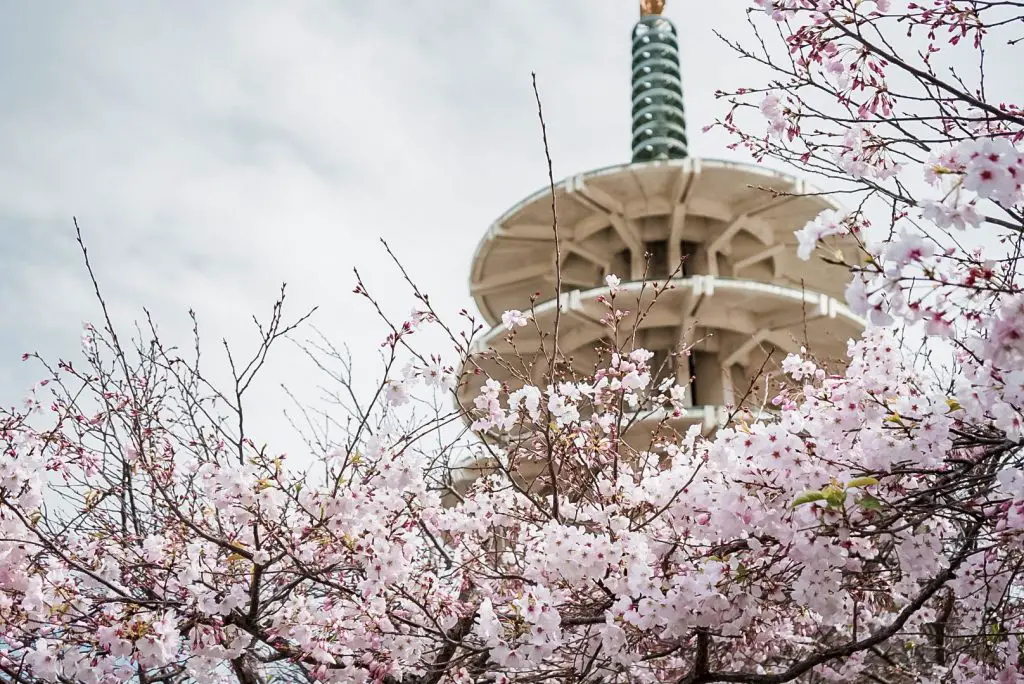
(808, 497)
(869, 502)
(835, 496)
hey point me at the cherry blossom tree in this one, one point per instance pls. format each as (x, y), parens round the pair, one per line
(868, 528)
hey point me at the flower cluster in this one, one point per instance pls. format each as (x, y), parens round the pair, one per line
(769, 524)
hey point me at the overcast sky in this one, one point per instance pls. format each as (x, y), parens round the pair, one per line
(212, 151)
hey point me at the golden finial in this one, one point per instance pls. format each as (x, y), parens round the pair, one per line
(649, 7)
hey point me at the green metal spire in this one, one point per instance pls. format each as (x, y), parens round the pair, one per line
(659, 123)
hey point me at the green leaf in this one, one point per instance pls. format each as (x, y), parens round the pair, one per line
(861, 482)
(808, 497)
(869, 502)
(835, 496)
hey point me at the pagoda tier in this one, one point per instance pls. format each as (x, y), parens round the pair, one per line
(726, 219)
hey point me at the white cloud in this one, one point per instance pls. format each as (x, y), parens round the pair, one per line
(213, 150)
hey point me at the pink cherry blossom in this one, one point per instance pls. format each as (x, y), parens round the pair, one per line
(514, 319)
(947, 214)
(827, 223)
